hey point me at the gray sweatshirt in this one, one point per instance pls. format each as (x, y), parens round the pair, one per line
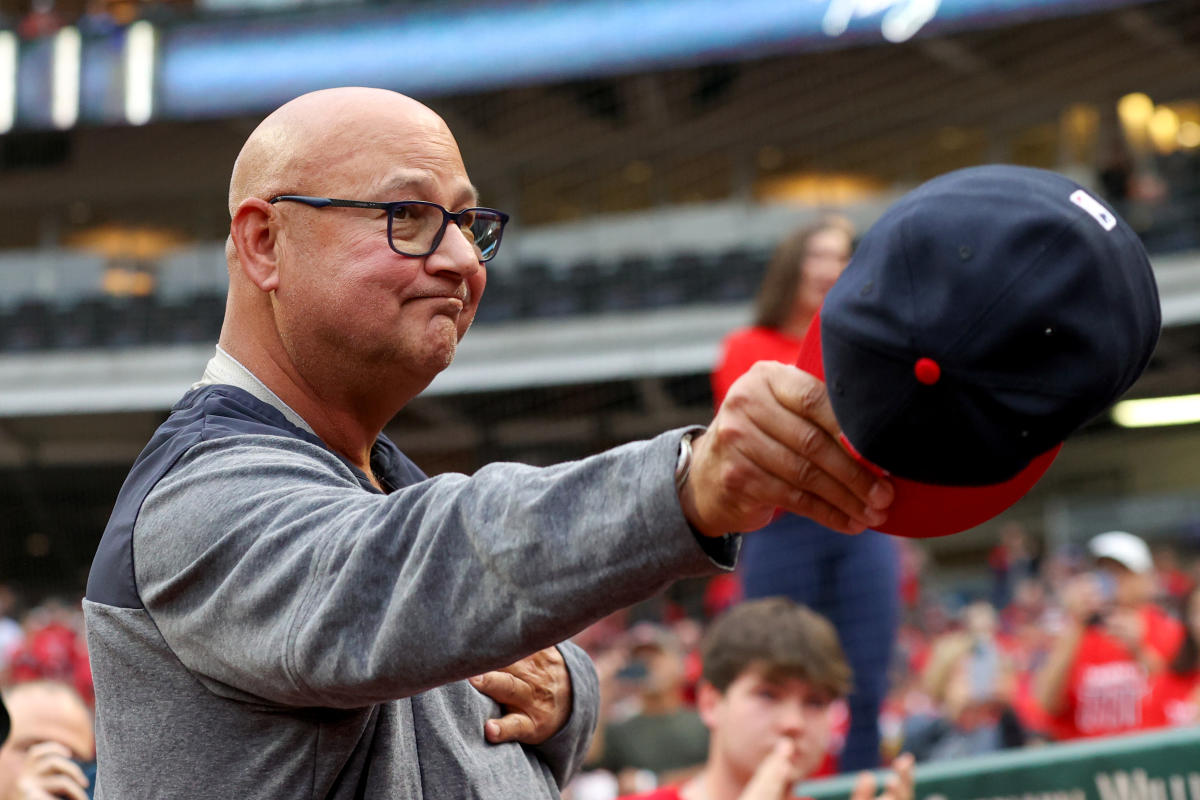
(264, 623)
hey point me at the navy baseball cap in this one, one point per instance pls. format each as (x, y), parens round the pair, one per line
(985, 316)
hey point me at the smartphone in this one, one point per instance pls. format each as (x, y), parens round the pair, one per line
(89, 772)
(634, 672)
(1107, 585)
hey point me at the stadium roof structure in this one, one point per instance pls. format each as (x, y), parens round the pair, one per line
(215, 65)
(204, 65)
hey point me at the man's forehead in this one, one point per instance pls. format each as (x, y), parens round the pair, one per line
(421, 184)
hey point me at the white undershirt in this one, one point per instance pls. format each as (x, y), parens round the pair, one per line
(224, 368)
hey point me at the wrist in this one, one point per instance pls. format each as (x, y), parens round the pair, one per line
(685, 486)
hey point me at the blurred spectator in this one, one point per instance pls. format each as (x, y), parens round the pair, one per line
(971, 682)
(851, 580)
(42, 20)
(53, 649)
(1174, 697)
(97, 20)
(10, 630)
(51, 732)
(1011, 561)
(1173, 581)
(663, 736)
(1113, 639)
(771, 670)
(721, 593)
(1116, 176)
(912, 567)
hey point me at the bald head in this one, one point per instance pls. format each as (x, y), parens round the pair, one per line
(320, 303)
(318, 134)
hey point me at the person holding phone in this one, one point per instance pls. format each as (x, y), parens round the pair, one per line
(1114, 640)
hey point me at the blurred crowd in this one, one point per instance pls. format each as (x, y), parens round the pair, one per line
(43, 18)
(1083, 642)
(1002, 665)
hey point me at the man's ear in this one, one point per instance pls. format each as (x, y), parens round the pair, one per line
(707, 699)
(253, 237)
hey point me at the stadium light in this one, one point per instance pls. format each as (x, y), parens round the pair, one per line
(8, 80)
(1164, 129)
(1156, 411)
(64, 94)
(1189, 134)
(139, 73)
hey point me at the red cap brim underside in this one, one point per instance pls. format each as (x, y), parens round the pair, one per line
(924, 510)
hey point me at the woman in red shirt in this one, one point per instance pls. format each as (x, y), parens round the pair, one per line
(801, 272)
(852, 580)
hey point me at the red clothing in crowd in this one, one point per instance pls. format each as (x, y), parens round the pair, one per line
(1107, 687)
(661, 793)
(743, 349)
(1173, 700)
(56, 653)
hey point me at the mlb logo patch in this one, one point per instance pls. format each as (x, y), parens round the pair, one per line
(1094, 209)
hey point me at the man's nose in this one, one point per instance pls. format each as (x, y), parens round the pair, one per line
(454, 253)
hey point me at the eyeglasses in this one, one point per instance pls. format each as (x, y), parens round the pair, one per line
(416, 228)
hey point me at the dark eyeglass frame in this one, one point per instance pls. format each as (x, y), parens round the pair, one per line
(390, 208)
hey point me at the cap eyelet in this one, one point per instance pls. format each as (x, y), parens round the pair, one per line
(927, 371)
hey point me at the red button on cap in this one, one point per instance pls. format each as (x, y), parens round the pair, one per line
(927, 371)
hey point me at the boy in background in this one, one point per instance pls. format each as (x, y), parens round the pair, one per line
(771, 670)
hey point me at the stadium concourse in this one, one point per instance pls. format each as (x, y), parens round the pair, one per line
(649, 179)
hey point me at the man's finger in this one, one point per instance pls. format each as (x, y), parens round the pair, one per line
(510, 728)
(810, 476)
(503, 687)
(780, 419)
(807, 428)
(808, 504)
(800, 393)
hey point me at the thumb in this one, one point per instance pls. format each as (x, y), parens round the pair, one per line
(515, 727)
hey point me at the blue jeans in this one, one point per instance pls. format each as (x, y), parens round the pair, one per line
(854, 581)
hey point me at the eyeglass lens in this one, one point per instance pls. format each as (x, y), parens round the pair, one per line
(415, 226)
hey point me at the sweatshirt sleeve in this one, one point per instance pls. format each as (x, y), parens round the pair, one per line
(274, 576)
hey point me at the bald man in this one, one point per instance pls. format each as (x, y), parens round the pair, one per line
(51, 732)
(283, 605)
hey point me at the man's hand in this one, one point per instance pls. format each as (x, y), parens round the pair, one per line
(899, 785)
(49, 773)
(774, 444)
(535, 693)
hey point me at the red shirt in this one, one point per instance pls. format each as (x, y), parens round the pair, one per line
(743, 348)
(1173, 699)
(1106, 686)
(661, 793)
